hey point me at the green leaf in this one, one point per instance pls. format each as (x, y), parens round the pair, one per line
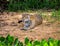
(29, 44)
(51, 44)
(56, 42)
(26, 41)
(16, 42)
(44, 42)
(59, 43)
(2, 39)
(50, 40)
(10, 39)
(36, 43)
(20, 44)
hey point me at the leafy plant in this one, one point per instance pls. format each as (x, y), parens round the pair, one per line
(11, 41)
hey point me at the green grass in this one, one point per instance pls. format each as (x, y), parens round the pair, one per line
(56, 15)
(53, 17)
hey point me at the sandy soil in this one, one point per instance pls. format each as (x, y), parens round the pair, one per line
(9, 25)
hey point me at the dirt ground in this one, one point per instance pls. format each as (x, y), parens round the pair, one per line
(9, 25)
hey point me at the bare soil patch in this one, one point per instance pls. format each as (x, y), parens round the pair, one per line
(9, 25)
